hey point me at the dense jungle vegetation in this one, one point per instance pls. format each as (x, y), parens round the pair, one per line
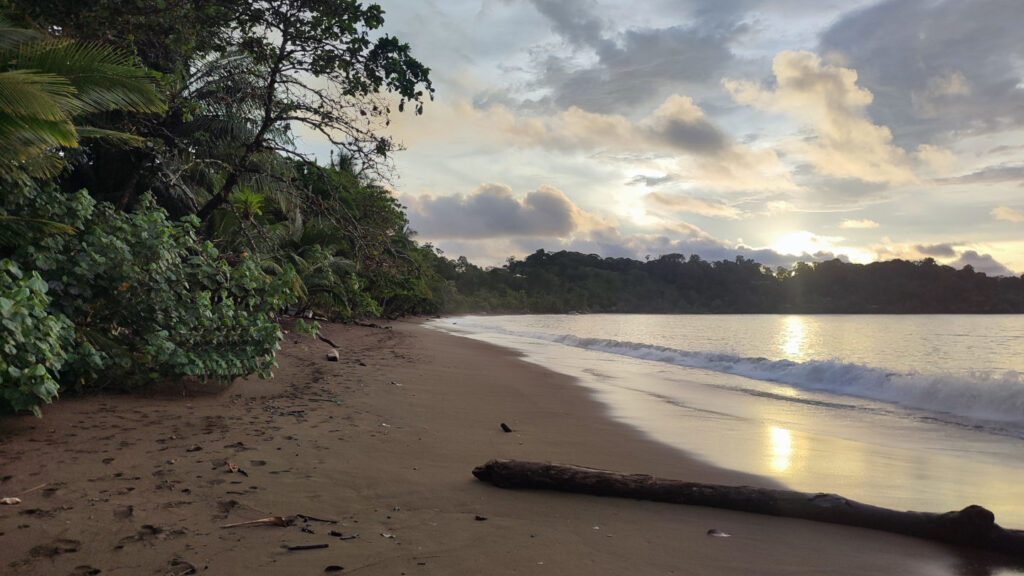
(157, 215)
(156, 212)
(561, 282)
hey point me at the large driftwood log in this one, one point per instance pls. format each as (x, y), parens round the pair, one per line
(973, 526)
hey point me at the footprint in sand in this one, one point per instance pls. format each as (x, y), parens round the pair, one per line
(55, 548)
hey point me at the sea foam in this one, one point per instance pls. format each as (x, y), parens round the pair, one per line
(986, 396)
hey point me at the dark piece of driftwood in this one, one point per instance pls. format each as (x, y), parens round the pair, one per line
(323, 338)
(973, 526)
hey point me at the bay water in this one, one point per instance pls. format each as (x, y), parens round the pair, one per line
(917, 412)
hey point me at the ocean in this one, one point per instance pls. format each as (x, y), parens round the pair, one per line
(922, 412)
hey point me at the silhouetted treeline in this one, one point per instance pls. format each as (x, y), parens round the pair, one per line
(562, 282)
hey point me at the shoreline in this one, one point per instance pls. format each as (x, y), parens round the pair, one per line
(384, 442)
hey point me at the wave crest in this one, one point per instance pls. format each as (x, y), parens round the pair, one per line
(976, 395)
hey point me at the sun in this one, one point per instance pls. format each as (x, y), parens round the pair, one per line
(800, 243)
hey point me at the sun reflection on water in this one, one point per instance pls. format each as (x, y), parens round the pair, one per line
(793, 338)
(782, 448)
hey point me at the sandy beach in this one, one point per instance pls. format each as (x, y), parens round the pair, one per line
(383, 442)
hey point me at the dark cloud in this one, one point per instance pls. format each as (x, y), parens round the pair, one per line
(936, 250)
(936, 67)
(651, 181)
(575, 21)
(698, 137)
(981, 263)
(634, 66)
(492, 211)
(990, 174)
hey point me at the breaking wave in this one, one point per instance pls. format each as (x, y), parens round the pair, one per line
(991, 397)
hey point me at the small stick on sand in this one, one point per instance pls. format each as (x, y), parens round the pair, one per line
(315, 519)
(33, 489)
(268, 521)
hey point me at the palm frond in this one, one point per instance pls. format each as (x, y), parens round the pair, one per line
(122, 139)
(104, 79)
(14, 229)
(11, 37)
(34, 94)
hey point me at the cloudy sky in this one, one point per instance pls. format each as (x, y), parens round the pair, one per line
(775, 129)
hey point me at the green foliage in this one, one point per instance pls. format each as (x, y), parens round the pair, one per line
(307, 328)
(562, 282)
(148, 300)
(33, 340)
(48, 84)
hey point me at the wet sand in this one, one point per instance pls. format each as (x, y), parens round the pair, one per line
(384, 442)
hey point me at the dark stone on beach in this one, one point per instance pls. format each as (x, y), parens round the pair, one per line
(334, 568)
(479, 518)
(505, 428)
(333, 356)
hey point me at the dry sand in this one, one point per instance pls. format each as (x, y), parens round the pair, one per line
(384, 442)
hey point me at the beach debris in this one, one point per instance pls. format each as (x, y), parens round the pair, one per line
(334, 568)
(305, 547)
(306, 518)
(181, 568)
(715, 532)
(268, 521)
(10, 501)
(194, 448)
(505, 428)
(33, 489)
(233, 468)
(387, 535)
(333, 356)
(479, 518)
(322, 338)
(307, 530)
(361, 363)
(972, 526)
(85, 570)
(393, 383)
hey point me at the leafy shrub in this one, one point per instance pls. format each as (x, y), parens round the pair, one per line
(32, 340)
(149, 301)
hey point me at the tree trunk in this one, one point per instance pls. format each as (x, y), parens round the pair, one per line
(973, 526)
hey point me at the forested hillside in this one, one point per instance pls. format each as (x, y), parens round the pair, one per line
(562, 282)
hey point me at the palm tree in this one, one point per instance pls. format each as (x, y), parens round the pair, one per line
(47, 85)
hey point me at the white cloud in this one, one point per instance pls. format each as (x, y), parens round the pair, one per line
(684, 203)
(1008, 214)
(845, 143)
(858, 224)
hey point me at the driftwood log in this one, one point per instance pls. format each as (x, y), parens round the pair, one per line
(973, 526)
